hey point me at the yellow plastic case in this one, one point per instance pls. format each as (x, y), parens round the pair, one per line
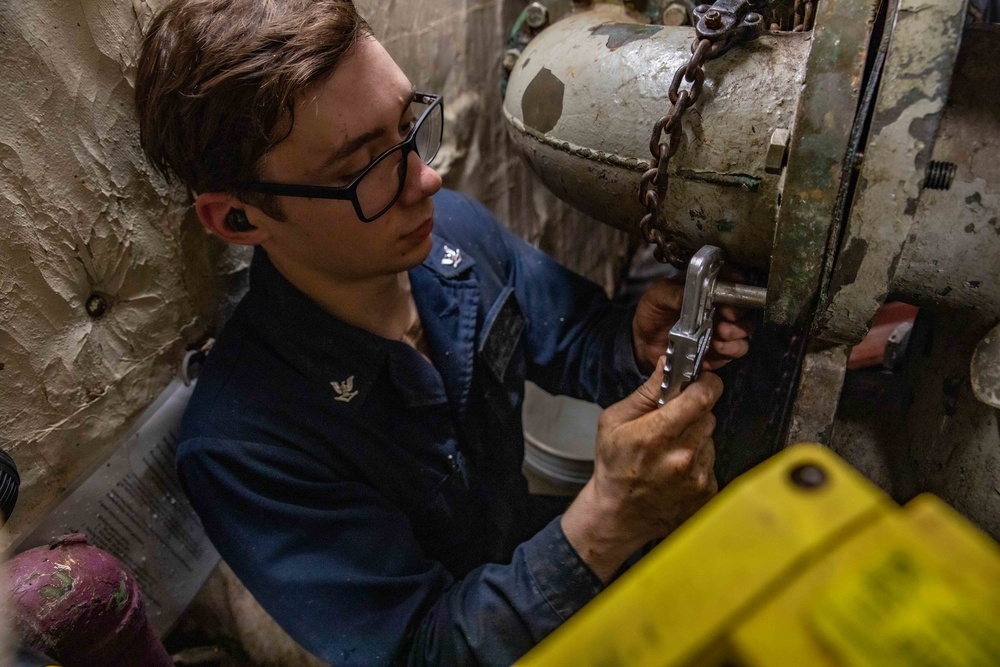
(826, 570)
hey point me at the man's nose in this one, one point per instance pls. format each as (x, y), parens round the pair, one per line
(422, 181)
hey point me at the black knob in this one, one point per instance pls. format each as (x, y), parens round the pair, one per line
(10, 482)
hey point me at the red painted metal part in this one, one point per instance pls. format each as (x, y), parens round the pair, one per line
(871, 351)
(79, 605)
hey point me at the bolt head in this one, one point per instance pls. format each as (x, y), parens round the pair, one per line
(776, 151)
(713, 20)
(536, 15)
(674, 14)
(808, 476)
(510, 57)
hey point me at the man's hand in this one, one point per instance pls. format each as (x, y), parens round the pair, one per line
(652, 470)
(659, 309)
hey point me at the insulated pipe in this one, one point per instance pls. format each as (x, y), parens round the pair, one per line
(581, 102)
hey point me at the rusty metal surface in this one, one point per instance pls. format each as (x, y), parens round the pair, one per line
(825, 116)
(614, 80)
(985, 369)
(918, 70)
(952, 256)
(815, 407)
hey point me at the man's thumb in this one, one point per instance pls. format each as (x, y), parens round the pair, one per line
(641, 401)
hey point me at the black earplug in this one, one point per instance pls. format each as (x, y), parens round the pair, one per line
(237, 220)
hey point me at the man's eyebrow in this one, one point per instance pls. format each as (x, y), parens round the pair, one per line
(359, 142)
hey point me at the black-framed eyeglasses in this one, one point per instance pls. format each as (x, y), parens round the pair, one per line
(376, 189)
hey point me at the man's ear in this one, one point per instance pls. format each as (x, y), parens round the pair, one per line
(225, 216)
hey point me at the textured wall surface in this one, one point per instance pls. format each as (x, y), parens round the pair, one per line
(83, 215)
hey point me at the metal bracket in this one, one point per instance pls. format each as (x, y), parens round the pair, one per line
(729, 20)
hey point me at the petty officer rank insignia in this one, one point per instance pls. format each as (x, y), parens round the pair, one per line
(452, 257)
(345, 390)
(501, 333)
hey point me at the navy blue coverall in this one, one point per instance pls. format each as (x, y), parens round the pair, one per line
(374, 503)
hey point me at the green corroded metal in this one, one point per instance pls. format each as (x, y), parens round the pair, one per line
(820, 140)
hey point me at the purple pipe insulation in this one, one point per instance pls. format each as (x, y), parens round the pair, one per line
(78, 604)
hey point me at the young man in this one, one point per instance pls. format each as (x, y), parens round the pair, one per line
(354, 445)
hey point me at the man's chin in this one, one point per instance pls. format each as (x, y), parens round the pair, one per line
(418, 253)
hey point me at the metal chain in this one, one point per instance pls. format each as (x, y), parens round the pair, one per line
(799, 18)
(667, 131)
(664, 144)
(802, 16)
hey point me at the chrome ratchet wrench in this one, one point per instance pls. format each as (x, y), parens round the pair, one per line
(690, 337)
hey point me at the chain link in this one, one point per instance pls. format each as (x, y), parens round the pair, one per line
(799, 18)
(666, 139)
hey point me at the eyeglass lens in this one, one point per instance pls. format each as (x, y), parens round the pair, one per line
(380, 187)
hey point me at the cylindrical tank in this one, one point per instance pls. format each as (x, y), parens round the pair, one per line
(582, 100)
(584, 94)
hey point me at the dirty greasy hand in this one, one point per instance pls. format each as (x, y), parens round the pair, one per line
(659, 309)
(653, 468)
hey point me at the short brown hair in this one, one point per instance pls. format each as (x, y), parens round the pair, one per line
(217, 82)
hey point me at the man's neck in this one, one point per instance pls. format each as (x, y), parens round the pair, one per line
(382, 305)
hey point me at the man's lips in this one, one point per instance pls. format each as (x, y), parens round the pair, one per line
(421, 232)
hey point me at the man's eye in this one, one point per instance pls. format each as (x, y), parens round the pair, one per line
(347, 179)
(407, 127)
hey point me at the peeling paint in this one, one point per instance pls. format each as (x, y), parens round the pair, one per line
(61, 586)
(620, 34)
(848, 264)
(912, 95)
(542, 104)
(949, 259)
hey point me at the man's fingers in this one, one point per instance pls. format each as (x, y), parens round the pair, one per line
(732, 274)
(706, 454)
(730, 349)
(666, 295)
(640, 402)
(693, 403)
(730, 313)
(733, 330)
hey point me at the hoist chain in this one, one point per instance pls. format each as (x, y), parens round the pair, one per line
(719, 27)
